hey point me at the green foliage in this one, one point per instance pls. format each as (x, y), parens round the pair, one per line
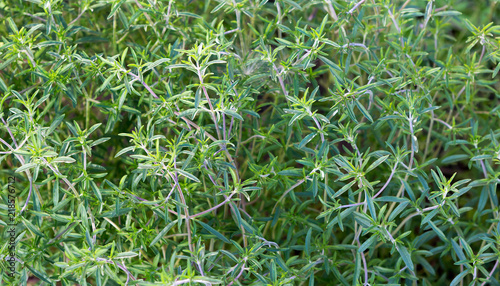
(250, 142)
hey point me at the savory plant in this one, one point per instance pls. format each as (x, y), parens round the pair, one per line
(250, 142)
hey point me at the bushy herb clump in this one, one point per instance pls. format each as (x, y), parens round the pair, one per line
(250, 142)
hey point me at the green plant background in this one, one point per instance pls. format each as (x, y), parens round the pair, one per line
(247, 142)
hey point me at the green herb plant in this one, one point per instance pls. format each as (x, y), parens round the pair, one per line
(250, 142)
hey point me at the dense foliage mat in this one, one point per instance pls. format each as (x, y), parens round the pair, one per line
(249, 142)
